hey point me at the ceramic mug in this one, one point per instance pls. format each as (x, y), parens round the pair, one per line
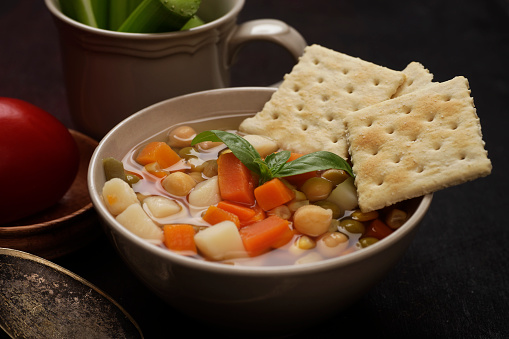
(111, 75)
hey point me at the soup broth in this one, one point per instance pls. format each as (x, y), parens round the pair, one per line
(350, 228)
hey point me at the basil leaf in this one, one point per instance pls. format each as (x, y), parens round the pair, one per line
(205, 136)
(242, 149)
(276, 161)
(264, 171)
(275, 165)
(315, 161)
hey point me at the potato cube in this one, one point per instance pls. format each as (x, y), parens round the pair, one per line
(263, 145)
(205, 193)
(117, 195)
(138, 222)
(221, 241)
(345, 195)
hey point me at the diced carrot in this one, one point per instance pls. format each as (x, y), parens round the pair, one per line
(243, 212)
(214, 215)
(273, 193)
(154, 169)
(285, 238)
(235, 180)
(259, 215)
(299, 179)
(377, 229)
(262, 235)
(180, 237)
(160, 152)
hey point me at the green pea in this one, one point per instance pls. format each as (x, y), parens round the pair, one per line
(188, 153)
(132, 179)
(352, 226)
(113, 168)
(367, 241)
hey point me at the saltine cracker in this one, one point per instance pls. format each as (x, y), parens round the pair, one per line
(306, 112)
(417, 77)
(416, 144)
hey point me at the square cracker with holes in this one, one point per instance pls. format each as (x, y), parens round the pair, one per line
(416, 144)
(417, 77)
(306, 112)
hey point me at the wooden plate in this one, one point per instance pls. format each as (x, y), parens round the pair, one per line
(65, 227)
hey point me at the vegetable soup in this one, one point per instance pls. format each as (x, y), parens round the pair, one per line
(204, 190)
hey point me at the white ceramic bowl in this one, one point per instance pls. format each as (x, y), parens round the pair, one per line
(266, 299)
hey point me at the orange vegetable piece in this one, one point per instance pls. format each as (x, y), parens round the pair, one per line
(273, 193)
(160, 152)
(259, 215)
(214, 215)
(154, 169)
(180, 237)
(299, 179)
(377, 229)
(262, 235)
(285, 238)
(235, 180)
(243, 212)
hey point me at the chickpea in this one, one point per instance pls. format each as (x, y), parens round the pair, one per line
(317, 188)
(197, 176)
(332, 244)
(301, 244)
(312, 220)
(299, 196)
(181, 136)
(294, 205)
(210, 168)
(207, 145)
(282, 211)
(178, 183)
(336, 176)
(305, 243)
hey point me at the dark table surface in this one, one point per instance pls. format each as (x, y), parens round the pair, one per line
(454, 280)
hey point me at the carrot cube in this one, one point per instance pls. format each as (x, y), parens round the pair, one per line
(180, 237)
(263, 235)
(235, 180)
(160, 152)
(273, 193)
(214, 215)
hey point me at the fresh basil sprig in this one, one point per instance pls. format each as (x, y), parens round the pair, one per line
(275, 165)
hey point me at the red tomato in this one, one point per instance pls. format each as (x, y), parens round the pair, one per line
(39, 159)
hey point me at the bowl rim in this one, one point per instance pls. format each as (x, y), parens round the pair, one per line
(216, 267)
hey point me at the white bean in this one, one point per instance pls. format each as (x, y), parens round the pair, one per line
(205, 193)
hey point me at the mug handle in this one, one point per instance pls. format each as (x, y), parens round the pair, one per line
(271, 30)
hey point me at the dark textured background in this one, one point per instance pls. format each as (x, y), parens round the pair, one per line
(454, 280)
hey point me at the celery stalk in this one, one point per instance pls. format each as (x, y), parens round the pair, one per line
(100, 8)
(119, 11)
(195, 21)
(153, 16)
(79, 10)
